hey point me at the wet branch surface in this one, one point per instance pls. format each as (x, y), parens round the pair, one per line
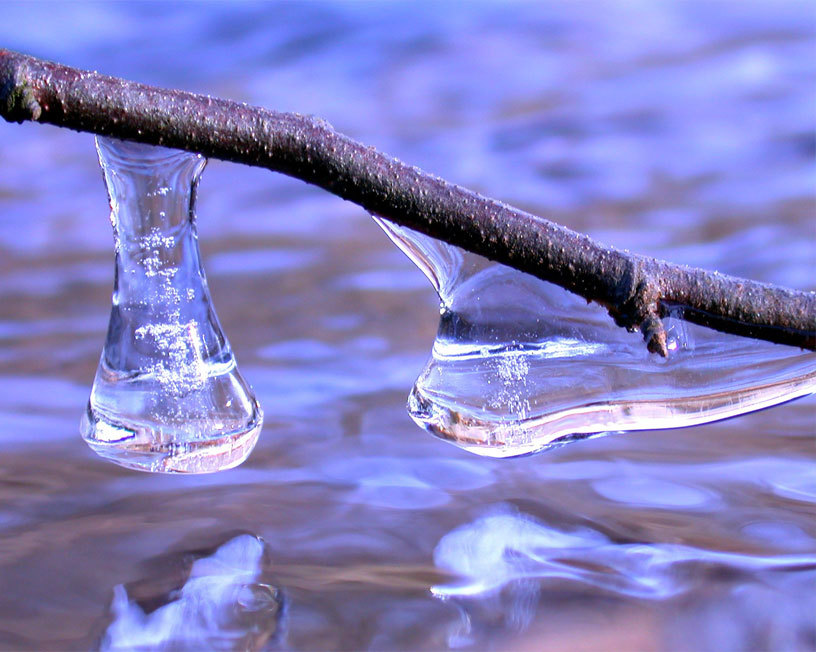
(636, 290)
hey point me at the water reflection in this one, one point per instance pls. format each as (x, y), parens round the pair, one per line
(637, 122)
(223, 604)
(508, 557)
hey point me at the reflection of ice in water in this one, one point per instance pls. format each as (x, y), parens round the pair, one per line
(167, 395)
(221, 606)
(506, 564)
(519, 365)
(506, 548)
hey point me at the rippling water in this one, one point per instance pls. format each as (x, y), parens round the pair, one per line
(685, 131)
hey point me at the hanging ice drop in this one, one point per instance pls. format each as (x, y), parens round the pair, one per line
(168, 396)
(520, 365)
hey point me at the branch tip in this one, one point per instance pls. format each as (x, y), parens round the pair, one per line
(18, 102)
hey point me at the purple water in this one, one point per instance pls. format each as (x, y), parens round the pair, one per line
(685, 131)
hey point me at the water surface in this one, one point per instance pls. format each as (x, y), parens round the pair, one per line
(684, 131)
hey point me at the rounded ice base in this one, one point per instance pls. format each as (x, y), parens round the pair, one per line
(153, 449)
(542, 427)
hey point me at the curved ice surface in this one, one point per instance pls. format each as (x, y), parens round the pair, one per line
(167, 395)
(520, 365)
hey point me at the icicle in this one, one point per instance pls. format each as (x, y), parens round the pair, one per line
(520, 365)
(167, 395)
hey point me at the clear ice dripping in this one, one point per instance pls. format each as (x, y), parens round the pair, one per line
(167, 396)
(520, 365)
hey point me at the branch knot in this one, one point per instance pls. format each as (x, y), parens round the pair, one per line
(637, 306)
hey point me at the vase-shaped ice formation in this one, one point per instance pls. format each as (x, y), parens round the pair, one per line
(520, 365)
(167, 395)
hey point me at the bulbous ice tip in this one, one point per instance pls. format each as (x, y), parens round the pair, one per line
(136, 423)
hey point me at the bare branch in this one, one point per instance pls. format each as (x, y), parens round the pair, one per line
(636, 290)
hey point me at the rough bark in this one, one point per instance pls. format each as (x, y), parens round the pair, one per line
(636, 290)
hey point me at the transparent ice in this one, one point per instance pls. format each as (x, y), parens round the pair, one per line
(168, 396)
(520, 365)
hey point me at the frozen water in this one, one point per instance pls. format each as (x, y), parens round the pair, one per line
(167, 395)
(520, 365)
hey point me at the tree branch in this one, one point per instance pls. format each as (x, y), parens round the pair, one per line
(636, 290)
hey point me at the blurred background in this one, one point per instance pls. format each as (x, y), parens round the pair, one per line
(680, 130)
